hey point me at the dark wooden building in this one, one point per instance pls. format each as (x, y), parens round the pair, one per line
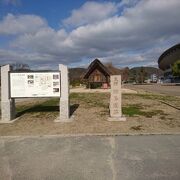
(98, 75)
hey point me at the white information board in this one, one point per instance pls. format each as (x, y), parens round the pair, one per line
(34, 84)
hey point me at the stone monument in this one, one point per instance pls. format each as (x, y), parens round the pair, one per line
(64, 97)
(115, 99)
(8, 112)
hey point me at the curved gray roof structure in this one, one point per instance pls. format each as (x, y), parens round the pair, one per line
(169, 56)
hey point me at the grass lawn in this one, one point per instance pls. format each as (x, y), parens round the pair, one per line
(145, 114)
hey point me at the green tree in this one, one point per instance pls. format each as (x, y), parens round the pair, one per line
(176, 68)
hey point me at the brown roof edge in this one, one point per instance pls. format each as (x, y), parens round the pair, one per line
(93, 63)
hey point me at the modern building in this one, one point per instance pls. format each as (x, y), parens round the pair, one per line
(168, 58)
(154, 78)
(98, 74)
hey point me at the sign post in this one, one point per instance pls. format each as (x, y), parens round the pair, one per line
(33, 84)
(7, 103)
(115, 99)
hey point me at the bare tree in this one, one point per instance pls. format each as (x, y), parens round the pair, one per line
(20, 67)
(142, 75)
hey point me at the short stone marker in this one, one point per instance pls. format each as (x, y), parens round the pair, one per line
(115, 99)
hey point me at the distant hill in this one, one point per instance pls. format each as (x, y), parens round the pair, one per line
(76, 73)
(148, 71)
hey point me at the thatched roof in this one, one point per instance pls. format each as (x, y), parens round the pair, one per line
(108, 69)
(96, 64)
(113, 70)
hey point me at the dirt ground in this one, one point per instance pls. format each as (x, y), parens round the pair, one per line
(145, 113)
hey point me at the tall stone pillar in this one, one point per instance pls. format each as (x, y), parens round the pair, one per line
(8, 112)
(64, 107)
(115, 99)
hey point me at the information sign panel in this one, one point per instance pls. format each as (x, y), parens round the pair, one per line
(34, 84)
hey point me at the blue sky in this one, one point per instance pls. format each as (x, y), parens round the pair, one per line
(45, 33)
(52, 10)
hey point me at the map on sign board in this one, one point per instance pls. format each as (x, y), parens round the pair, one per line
(34, 84)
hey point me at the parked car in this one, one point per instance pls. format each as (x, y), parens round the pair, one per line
(169, 80)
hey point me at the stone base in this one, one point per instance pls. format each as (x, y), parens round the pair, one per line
(5, 121)
(8, 112)
(62, 120)
(122, 118)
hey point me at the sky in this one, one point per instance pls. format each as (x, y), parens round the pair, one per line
(45, 33)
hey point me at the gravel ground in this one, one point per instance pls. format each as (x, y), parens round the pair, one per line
(90, 111)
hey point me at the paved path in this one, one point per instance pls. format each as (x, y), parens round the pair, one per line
(91, 158)
(157, 88)
(85, 90)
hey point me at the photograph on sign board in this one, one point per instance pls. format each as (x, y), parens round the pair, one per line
(30, 76)
(55, 90)
(55, 76)
(30, 82)
(55, 84)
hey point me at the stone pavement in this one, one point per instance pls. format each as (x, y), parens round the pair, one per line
(90, 158)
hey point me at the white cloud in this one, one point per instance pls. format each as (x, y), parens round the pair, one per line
(91, 12)
(131, 59)
(134, 37)
(11, 2)
(33, 59)
(13, 25)
(143, 25)
(44, 40)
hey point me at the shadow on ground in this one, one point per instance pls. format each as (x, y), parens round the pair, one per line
(42, 108)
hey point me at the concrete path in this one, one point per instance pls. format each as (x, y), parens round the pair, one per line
(171, 90)
(85, 90)
(91, 158)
